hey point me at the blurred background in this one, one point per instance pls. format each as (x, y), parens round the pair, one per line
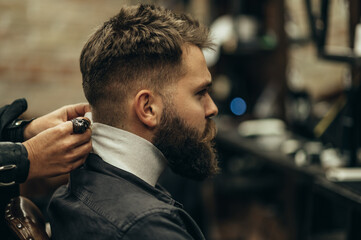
(286, 77)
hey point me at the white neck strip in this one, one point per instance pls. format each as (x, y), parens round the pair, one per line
(128, 152)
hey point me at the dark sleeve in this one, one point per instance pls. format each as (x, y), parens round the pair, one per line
(12, 128)
(160, 226)
(14, 163)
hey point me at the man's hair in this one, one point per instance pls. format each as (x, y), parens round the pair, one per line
(140, 47)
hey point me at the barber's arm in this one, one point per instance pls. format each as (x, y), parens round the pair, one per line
(50, 148)
(14, 164)
(57, 150)
(55, 118)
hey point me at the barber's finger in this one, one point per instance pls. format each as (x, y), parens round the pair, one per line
(70, 166)
(77, 110)
(61, 130)
(77, 140)
(80, 161)
(80, 151)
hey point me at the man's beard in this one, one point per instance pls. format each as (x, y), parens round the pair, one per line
(189, 153)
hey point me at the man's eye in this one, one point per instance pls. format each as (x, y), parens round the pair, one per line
(203, 92)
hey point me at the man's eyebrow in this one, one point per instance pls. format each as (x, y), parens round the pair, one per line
(206, 84)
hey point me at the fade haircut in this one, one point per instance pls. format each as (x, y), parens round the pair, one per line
(140, 47)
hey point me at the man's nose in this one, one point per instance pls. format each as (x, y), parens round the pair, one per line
(211, 108)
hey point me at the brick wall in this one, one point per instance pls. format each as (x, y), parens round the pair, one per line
(40, 43)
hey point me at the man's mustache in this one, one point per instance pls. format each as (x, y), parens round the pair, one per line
(210, 131)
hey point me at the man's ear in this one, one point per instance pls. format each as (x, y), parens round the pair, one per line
(148, 108)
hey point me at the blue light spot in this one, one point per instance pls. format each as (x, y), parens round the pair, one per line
(238, 106)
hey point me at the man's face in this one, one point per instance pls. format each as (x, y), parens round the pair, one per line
(190, 96)
(186, 132)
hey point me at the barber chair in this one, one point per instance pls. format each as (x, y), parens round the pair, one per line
(25, 219)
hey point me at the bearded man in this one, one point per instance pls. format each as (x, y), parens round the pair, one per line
(146, 79)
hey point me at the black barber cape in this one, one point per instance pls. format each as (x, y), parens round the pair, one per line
(105, 202)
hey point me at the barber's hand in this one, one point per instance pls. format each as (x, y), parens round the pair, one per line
(57, 150)
(55, 118)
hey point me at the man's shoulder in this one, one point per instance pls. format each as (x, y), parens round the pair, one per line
(110, 205)
(122, 189)
(135, 216)
(115, 200)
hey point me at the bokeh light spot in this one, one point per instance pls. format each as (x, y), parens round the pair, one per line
(238, 106)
